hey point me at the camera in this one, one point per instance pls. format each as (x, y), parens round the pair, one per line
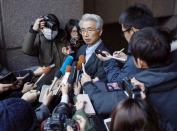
(130, 90)
(49, 23)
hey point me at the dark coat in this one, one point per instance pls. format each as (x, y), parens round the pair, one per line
(161, 84)
(94, 67)
(115, 72)
(48, 52)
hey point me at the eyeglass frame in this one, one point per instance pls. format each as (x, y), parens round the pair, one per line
(124, 31)
(89, 31)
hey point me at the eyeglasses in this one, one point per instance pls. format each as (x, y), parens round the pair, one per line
(89, 31)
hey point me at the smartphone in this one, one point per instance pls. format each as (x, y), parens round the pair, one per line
(9, 78)
(100, 52)
(130, 90)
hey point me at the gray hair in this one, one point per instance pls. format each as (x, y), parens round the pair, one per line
(92, 17)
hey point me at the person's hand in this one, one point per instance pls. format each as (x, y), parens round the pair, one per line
(95, 79)
(40, 70)
(82, 122)
(39, 23)
(77, 88)
(31, 96)
(64, 88)
(80, 104)
(5, 87)
(28, 86)
(66, 50)
(140, 85)
(18, 84)
(85, 78)
(119, 54)
(48, 97)
(102, 58)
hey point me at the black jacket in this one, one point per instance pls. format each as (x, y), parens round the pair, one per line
(94, 67)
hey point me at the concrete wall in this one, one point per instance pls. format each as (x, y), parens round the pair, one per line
(18, 15)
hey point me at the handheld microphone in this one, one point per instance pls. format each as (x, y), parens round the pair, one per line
(66, 75)
(82, 59)
(46, 70)
(64, 80)
(79, 66)
(73, 73)
(61, 71)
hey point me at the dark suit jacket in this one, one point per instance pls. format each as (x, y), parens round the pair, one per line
(94, 67)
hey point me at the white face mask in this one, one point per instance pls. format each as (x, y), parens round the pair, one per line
(49, 34)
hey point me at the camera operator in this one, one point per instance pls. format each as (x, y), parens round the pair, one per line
(45, 40)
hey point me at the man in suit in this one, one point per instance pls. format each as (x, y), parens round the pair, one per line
(91, 30)
(132, 20)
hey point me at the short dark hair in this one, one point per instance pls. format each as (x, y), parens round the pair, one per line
(70, 25)
(137, 16)
(134, 115)
(54, 19)
(150, 45)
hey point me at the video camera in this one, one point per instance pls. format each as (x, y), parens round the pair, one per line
(129, 89)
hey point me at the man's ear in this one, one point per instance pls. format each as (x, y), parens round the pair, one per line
(100, 32)
(141, 63)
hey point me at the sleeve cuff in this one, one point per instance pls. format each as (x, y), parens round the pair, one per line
(32, 31)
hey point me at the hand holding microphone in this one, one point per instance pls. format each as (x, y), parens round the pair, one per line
(61, 71)
(85, 78)
(80, 65)
(64, 80)
(45, 71)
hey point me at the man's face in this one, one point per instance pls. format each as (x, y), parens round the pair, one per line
(90, 33)
(127, 33)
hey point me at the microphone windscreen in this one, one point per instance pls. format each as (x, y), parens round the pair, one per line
(68, 61)
(68, 68)
(79, 65)
(82, 59)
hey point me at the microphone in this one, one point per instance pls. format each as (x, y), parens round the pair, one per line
(73, 73)
(64, 80)
(80, 62)
(46, 70)
(82, 59)
(61, 71)
(66, 76)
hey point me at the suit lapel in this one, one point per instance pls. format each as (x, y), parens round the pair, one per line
(93, 58)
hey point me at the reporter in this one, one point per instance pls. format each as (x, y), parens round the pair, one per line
(62, 118)
(134, 115)
(17, 115)
(73, 37)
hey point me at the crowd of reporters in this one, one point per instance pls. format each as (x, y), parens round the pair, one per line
(136, 89)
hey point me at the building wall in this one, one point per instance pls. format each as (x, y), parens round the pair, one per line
(111, 9)
(18, 15)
